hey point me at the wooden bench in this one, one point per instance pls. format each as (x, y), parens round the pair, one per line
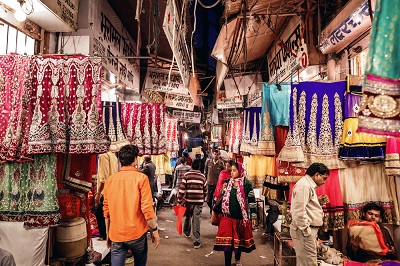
(282, 241)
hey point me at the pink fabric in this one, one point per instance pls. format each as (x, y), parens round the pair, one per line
(223, 175)
(144, 126)
(67, 116)
(235, 135)
(15, 108)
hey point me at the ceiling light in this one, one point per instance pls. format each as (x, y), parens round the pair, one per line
(25, 8)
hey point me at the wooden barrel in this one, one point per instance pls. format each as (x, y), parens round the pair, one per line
(71, 238)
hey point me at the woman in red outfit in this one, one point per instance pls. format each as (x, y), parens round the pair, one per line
(223, 175)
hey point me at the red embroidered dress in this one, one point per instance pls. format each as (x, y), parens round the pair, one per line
(67, 113)
(15, 109)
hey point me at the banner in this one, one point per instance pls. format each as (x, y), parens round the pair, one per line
(227, 103)
(176, 38)
(184, 102)
(67, 10)
(283, 60)
(157, 80)
(231, 115)
(111, 40)
(191, 117)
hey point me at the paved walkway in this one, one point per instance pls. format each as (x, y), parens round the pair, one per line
(176, 249)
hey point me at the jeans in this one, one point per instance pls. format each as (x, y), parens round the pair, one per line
(138, 247)
(210, 196)
(192, 220)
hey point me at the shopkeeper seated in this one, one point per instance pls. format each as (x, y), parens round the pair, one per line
(371, 213)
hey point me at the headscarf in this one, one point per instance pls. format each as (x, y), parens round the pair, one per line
(241, 197)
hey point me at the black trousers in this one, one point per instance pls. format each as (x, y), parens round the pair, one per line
(101, 222)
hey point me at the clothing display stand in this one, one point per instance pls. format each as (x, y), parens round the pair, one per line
(281, 241)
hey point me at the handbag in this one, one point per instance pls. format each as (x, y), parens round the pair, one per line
(215, 218)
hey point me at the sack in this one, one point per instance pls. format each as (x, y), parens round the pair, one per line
(215, 218)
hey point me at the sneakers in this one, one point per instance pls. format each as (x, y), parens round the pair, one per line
(196, 245)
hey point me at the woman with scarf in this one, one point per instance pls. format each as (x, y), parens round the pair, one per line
(235, 228)
(223, 176)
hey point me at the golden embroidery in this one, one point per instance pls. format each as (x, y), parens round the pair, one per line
(338, 123)
(384, 106)
(312, 144)
(325, 141)
(302, 120)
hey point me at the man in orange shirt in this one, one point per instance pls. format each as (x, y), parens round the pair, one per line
(128, 210)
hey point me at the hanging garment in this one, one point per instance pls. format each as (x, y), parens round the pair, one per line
(381, 91)
(171, 136)
(367, 183)
(235, 136)
(144, 126)
(66, 99)
(257, 167)
(113, 125)
(76, 170)
(251, 127)
(333, 211)
(266, 142)
(15, 107)
(392, 157)
(352, 104)
(358, 145)
(288, 172)
(27, 192)
(278, 100)
(316, 123)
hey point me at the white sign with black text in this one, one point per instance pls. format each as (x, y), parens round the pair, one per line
(110, 40)
(184, 102)
(157, 80)
(224, 102)
(191, 117)
(176, 38)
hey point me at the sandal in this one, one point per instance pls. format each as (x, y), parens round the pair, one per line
(238, 263)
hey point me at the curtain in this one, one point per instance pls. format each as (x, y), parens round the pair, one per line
(67, 115)
(144, 126)
(15, 108)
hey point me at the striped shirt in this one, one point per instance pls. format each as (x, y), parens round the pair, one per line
(193, 188)
(179, 173)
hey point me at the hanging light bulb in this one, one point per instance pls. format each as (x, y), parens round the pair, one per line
(20, 15)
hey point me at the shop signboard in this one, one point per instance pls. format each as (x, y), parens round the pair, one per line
(348, 25)
(161, 80)
(176, 37)
(254, 99)
(243, 85)
(185, 116)
(111, 41)
(67, 10)
(179, 101)
(289, 54)
(224, 102)
(230, 115)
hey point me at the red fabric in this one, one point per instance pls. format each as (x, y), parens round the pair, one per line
(144, 126)
(15, 107)
(180, 212)
(223, 175)
(67, 107)
(70, 206)
(280, 137)
(378, 232)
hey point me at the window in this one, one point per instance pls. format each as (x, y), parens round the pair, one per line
(15, 41)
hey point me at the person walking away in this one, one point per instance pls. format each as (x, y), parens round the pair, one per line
(235, 228)
(212, 169)
(128, 210)
(107, 166)
(149, 169)
(224, 175)
(307, 214)
(192, 192)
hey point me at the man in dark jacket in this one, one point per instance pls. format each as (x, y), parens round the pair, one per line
(149, 169)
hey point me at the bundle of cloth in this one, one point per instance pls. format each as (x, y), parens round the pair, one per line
(329, 255)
